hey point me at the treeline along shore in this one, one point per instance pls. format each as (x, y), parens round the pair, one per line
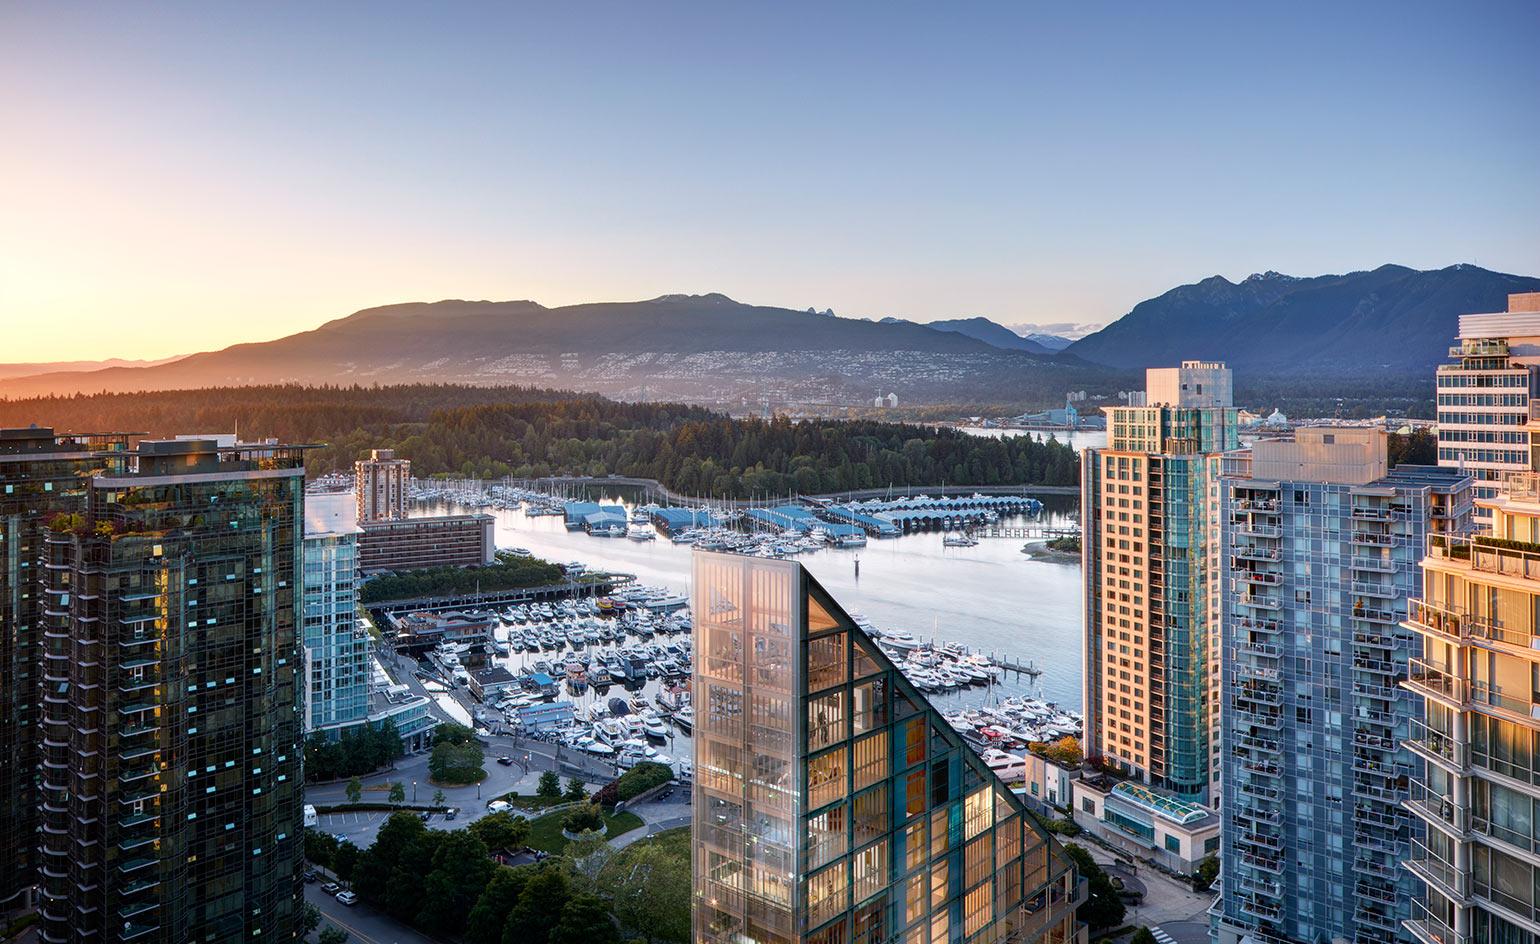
(527, 432)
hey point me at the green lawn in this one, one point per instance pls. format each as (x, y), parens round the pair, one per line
(520, 802)
(545, 832)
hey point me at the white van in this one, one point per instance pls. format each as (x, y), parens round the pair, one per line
(310, 818)
(499, 806)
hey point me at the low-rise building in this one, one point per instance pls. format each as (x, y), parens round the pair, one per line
(425, 629)
(487, 684)
(1145, 822)
(1048, 786)
(417, 543)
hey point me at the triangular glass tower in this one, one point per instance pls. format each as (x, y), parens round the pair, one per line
(833, 804)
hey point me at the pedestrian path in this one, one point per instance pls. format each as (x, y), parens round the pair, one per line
(1161, 936)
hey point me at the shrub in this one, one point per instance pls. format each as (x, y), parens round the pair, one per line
(641, 778)
(583, 819)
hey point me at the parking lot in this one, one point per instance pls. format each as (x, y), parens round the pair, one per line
(361, 828)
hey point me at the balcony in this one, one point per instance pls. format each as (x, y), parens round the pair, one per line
(1518, 559)
(1374, 865)
(1258, 908)
(1266, 505)
(1264, 695)
(1435, 808)
(1257, 672)
(1257, 815)
(1374, 891)
(1367, 663)
(1480, 347)
(1373, 539)
(1436, 747)
(1368, 589)
(1427, 617)
(1373, 640)
(1253, 553)
(1376, 564)
(1452, 882)
(1252, 529)
(1426, 929)
(1272, 864)
(1260, 577)
(1248, 624)
(1434, 682)
(1259, 650)
(1258, 792)
(1371, 514)
(1375, 615)
(1259, 602)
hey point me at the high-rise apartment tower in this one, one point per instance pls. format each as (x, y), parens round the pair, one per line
(171, 804)
(1476, 786)
(1321, 543)
(43, 477)
(382, 485)
(1151, 566)
(1484, 394)
(832, 803)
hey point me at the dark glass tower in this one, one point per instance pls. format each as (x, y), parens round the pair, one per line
(171, 710)
(41, 476)
(833, 804)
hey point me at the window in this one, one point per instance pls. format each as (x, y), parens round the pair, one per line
(1173, 844)
(914, 793)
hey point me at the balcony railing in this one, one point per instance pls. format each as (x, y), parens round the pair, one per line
(1370, 589)
(1487, 554)
(1376, 564)
(1261, 577)
(1251, 552)
(1373, 539)
(1427, 679)
(1436, 746)
(1372, 514)
(1430, 930)
(1453, 882)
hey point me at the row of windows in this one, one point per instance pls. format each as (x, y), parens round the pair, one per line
(1449, 379)
(1467, 418)
(1483, 399)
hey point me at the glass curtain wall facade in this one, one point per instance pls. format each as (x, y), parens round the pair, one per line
(1319, 572)
(832, 803)
(1147, 512)
(337, 650)
(1477, 786)
(171, 782)
(1484, 395)
(42, 476)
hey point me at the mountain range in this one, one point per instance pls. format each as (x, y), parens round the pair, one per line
(703, 348)
(1392, 321)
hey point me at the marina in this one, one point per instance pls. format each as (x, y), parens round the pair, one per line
(989, 597)
(610, 676)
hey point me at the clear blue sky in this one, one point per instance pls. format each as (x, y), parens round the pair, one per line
(177, 178)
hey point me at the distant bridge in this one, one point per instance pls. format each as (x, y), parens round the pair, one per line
(1025, 534)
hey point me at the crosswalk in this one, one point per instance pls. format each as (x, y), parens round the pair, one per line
(1161, 936)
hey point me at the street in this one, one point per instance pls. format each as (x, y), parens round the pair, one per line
(362, 922)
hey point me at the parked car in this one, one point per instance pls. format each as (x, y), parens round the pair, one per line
(505, 760)
(311, 875)
(425, 814)
(499, 806)
(452, 812)
(331, 888)
(348, 898)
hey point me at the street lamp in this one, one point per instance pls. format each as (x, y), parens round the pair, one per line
(414, 791)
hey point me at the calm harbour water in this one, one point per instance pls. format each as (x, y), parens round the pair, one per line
(991, 597)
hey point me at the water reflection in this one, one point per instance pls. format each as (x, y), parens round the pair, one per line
(991, 597)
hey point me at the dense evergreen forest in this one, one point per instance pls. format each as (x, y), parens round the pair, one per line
(528, 432)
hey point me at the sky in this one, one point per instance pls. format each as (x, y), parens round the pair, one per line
(178, 178)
